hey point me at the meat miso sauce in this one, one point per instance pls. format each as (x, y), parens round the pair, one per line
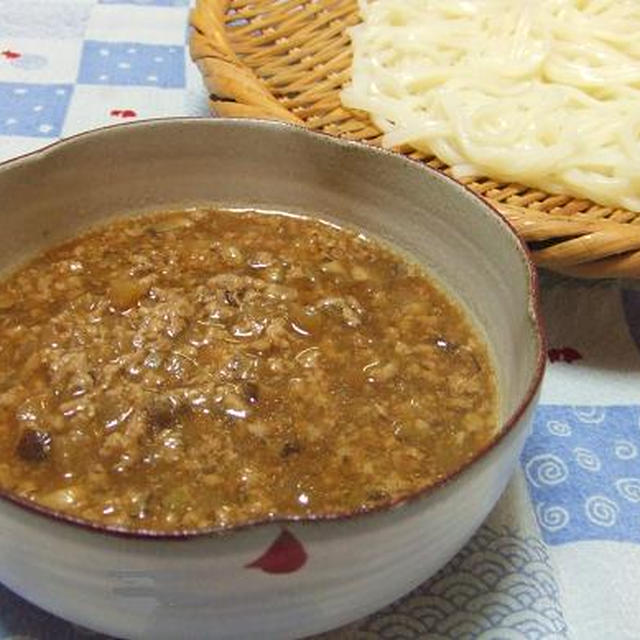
(208, 369)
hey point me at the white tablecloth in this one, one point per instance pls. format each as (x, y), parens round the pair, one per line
(560, 555)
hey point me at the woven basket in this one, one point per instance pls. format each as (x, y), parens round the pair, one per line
(288, 59)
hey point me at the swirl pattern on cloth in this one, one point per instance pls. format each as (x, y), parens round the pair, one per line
(584, 477)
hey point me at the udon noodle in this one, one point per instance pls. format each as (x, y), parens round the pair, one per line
(541, 92)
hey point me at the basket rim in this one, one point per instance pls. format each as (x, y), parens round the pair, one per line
(591, 244)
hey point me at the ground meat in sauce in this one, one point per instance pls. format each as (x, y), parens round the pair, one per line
(211, 368)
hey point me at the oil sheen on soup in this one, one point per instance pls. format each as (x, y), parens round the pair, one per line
(207, 369)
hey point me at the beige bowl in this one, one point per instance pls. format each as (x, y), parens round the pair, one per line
(322, 573)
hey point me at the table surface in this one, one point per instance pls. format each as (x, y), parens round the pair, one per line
(571, 513)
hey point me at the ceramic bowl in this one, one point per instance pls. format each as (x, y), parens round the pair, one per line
(287, 579)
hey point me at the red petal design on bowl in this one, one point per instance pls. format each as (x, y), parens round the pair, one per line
(285, 555)
(564, 354)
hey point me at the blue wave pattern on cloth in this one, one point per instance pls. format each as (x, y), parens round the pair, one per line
(499, 586)
(582, 466)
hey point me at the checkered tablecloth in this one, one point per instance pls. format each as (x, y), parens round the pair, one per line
(560, 555)
(74, 65)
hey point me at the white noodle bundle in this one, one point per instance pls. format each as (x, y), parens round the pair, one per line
(541, 92)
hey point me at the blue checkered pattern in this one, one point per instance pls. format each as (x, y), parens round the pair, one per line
(130, 63)
(36, 110)
(71, 65)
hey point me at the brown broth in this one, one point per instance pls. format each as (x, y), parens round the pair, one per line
(211, 368)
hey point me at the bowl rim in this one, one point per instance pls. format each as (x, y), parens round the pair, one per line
(533, 311)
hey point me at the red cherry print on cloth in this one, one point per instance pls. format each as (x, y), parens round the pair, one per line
(564, 354)
(10, 55)
(123, 113)
(285, 555)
